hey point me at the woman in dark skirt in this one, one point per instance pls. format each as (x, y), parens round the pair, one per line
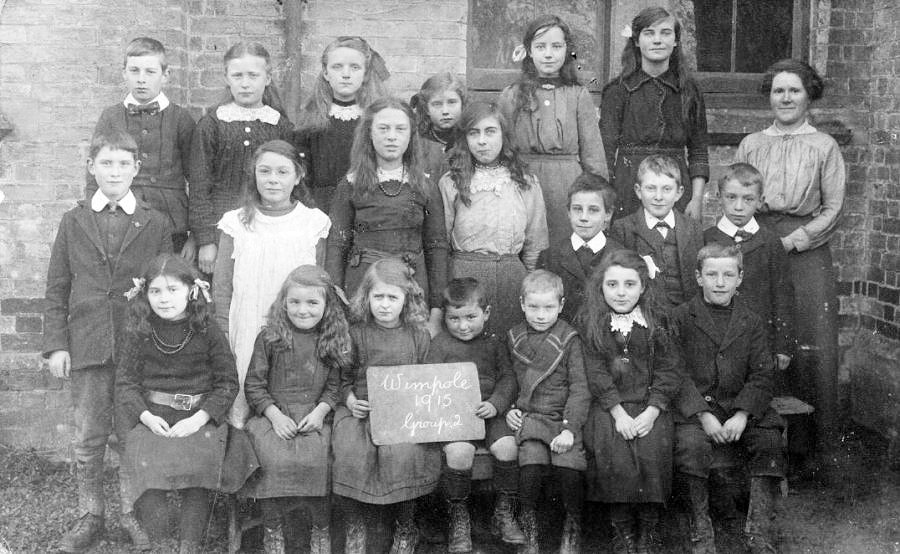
(175, 382)
(633, 373)
(292, 386)
(805, 183)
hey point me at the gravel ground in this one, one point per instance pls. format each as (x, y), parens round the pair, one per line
(856, 511)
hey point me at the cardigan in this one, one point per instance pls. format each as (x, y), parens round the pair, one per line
(84, 311)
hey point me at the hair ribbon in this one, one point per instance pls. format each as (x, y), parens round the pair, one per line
(519, 53)
(138, 287)
(339, 292)
(201, 286)
(626, 31)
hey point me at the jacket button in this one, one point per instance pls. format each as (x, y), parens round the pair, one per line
(152, 179)
(708, 398)
(144, 131)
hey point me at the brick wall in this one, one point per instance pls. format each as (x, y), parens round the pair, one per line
(60, 64)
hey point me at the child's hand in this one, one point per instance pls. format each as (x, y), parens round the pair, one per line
(285, 428)
(734, 426)
(156, 424)
(562, 442)
(694, 208)
(188, 426)
(359, 408)
(60, 363)
(712, 427)
(206, 257)
(624, 422)
(313, 422)
(189, 250)
(514, 419)
(782, 361)
(643, 423)
(485, 410)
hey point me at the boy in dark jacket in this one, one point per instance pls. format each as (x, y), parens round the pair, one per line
(99, 248)
(551, 407)
(725, 398)
(466, 310)
(591, 205)
(765, 288)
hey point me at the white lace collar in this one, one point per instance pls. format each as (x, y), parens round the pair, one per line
(489, 179)
(345, 113)
(624, 322)
(232, 112)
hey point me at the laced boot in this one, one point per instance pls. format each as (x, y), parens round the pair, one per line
(647, 541)
(459, 535)
(319, 540)
(571, 536)
(530, 531)
(503, 523)
(758, 530)
(624, 541)
(83, 534)
(703, 538)
(356, 534)
(273, 540)
(406, 537)
(137, 533)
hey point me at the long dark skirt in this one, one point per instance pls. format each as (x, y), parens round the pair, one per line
(634, 471)
(555, 174)
(501, 277)
(379, 474)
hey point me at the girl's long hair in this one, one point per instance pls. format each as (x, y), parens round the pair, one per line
(433, 86)
(270, 94)
(524, 97)
(391, 271)
(631, 56)
(170, 266)
(333, 345)
(251, 200)
(363, 160)
(462, 163)
(593, 316)
(315, 112)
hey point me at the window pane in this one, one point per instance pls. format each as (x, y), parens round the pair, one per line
(713, 20)
(764, 30)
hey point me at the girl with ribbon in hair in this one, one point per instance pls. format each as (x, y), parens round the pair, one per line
(552, 117)
(352, 76)
(634, 370)
(438, 106)
(277, 229)
(175, 383)
(292, 388)
(654, 107)
(387, 207)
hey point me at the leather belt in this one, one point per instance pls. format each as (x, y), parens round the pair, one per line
(183, 402)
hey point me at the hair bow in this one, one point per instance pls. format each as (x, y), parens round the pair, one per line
(626, 31)
(519, 53)
(138, 287)
(200, 286)
(339, 292)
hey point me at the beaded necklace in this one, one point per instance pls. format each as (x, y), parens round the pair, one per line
(389, 176)
(167, 348)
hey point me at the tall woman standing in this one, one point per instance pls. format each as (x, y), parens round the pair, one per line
(802, 203)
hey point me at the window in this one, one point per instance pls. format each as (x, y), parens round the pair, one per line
(496, 28)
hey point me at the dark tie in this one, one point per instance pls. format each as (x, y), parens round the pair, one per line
(150, 109)
(585, 256)
(742, 235)
(662, 227)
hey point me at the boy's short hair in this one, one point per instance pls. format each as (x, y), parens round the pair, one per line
(588, 182)
(114, 139)
(464, 291)
(146, 46)
(719, 250)
(541, 280)
(745, 174)
(660, 165)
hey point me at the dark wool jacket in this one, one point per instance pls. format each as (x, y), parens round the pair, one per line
(85, 299)
(632, 232)
(766, 288)
(735, 374)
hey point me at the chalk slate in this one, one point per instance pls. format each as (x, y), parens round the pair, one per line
(424, 403)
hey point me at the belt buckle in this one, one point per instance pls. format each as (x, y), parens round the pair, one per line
(183, 402)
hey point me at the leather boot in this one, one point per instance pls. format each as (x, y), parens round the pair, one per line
(571, 536)
(703, 538)
(319, 540)
(134, 529)
(647, 541)
(356, 534)
(83, 534)
(459, 535)
(758, 530)
(273, 540)
(503, 523)
(530, 531)
(624, 539)
(406, 537)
